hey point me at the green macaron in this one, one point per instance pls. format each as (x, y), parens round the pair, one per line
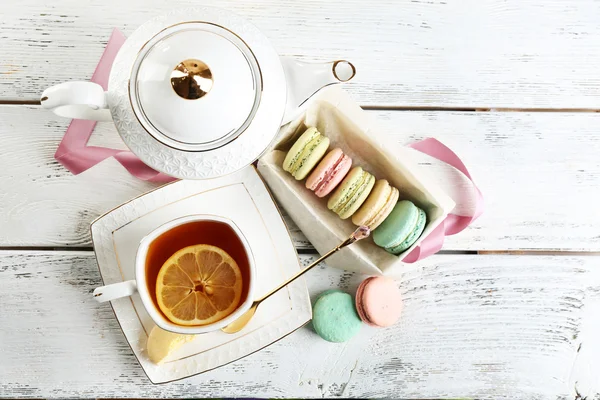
(352, 192)
(306, 153)
(401, 228)
(334, 316)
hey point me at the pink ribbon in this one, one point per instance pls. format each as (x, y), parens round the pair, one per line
(453, 223)
(73, 151)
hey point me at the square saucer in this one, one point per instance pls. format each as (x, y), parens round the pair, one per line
(243, 198)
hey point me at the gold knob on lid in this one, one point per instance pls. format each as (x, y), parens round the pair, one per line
(191, 79)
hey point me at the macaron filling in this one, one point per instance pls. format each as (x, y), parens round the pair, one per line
(305, 153)
(320, 180)
(294, 153)
(353, 193)
(350, 191)
(367, 183)
(329, 175)
(415, 233)
(359, 304)
(385, 210)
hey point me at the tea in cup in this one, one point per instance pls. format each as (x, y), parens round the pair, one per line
(194, 275)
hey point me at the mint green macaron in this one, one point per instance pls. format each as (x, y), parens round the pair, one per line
(334, 316)
(401, 228)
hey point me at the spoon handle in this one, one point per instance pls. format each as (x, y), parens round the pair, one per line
(360, 233)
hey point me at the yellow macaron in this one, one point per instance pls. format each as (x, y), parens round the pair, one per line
(378, 205)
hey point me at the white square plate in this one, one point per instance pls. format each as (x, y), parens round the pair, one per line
(241, 197)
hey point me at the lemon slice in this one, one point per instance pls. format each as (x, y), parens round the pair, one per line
(161, 343)
(199, 285)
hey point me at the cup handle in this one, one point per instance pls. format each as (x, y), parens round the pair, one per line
(115, 291)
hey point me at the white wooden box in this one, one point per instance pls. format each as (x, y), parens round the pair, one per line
(347, 126)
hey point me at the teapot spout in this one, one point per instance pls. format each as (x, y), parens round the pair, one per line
(305, 79)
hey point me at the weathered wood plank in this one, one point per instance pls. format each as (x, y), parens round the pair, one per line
(454, 53)
(539, 173)
(474, 326)
(42, 202)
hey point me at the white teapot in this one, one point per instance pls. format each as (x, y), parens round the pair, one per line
(198, 93)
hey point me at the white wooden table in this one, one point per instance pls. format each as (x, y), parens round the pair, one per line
(509, 309)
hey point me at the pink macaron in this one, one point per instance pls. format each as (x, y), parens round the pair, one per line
(378, 301)
(329, 173)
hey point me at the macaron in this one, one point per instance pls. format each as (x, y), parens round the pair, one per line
(329, 173)
(352, 192)
(334, 316)
(378, 205)
(378, 301)
(401, 228)
(306, 152)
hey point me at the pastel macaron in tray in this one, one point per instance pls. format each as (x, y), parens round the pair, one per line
(329, 172)
(355, 193)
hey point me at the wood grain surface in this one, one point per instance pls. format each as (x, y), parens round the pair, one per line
(473, 326)
(451, 53)
(512, 86)
(539, 173)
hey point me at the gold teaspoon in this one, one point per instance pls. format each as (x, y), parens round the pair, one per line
(239, 324)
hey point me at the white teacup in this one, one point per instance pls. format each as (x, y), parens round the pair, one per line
(140, 286)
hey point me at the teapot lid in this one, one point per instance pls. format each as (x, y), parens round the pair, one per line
(195, 86)
(238, 93)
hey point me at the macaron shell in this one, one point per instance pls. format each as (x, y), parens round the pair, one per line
(335, 318)
(378, 205)
(379, 302)
(359, 197)
(298, 147)
(311, 159)
(329, 173)
(397, 226)
(376, 201)
(414, 235)
(386, 210)
(324, 167)
(325, 293)
(336, 176)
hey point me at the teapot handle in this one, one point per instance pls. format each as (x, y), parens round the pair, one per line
(78, 100)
